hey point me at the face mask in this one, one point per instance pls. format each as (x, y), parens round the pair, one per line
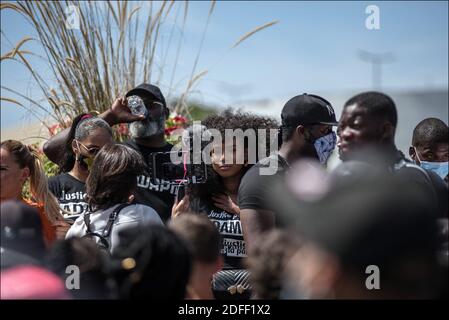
(324, 146)
(147, 128)
(440, 168)
(85, 162)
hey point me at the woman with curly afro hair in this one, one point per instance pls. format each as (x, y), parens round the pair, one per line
(217, 198)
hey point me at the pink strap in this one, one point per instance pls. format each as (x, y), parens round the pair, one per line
(86, 116)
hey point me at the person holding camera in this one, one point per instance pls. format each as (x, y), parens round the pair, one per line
(217, 198)
(146, 127)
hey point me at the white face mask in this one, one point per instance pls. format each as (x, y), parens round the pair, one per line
(440, 168)
(324, 146)
(147, 128)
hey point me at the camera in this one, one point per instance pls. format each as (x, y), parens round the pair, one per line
(183, 166)
(163, 170)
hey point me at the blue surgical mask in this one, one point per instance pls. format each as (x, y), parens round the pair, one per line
(440, 168)
(324, 146)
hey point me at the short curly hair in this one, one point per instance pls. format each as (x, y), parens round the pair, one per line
(430, 131)
(231, 119)
(236, 119)
(376, 104)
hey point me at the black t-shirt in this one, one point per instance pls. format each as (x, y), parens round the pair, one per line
(230, 228)
(257, 184)
(157, 194)
(441, 189)
(396, 163)
(71, 194)
(428, 180)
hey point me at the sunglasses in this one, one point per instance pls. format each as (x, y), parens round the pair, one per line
(92, 151)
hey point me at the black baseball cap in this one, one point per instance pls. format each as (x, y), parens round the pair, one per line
(307, 109)
(146, 88)
(22, 239)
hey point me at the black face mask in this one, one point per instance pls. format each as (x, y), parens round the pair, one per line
(85, 162)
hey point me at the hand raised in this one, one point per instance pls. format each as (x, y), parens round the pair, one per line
(180, 207)
(120, 113)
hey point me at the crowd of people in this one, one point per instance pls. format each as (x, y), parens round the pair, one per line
(105, 227)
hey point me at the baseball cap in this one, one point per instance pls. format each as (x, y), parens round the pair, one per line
(146, 88)
(306, 109)
(21, 234)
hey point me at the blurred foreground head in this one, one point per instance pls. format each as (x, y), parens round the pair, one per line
(204, 243)
(200, 235)
(267, 263)
(92, 263)
(21, 235)
(152, 263)
(31, 282)
(366, 236)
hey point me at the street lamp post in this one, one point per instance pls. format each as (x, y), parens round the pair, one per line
(376, 60)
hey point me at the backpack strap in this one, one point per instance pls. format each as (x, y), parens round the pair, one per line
(86, 219)
(107, 230)
(112, 217)
(90, 233)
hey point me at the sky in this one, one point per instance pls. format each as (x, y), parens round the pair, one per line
(313, 48)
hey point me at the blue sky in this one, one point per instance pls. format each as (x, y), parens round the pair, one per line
(313, 48)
